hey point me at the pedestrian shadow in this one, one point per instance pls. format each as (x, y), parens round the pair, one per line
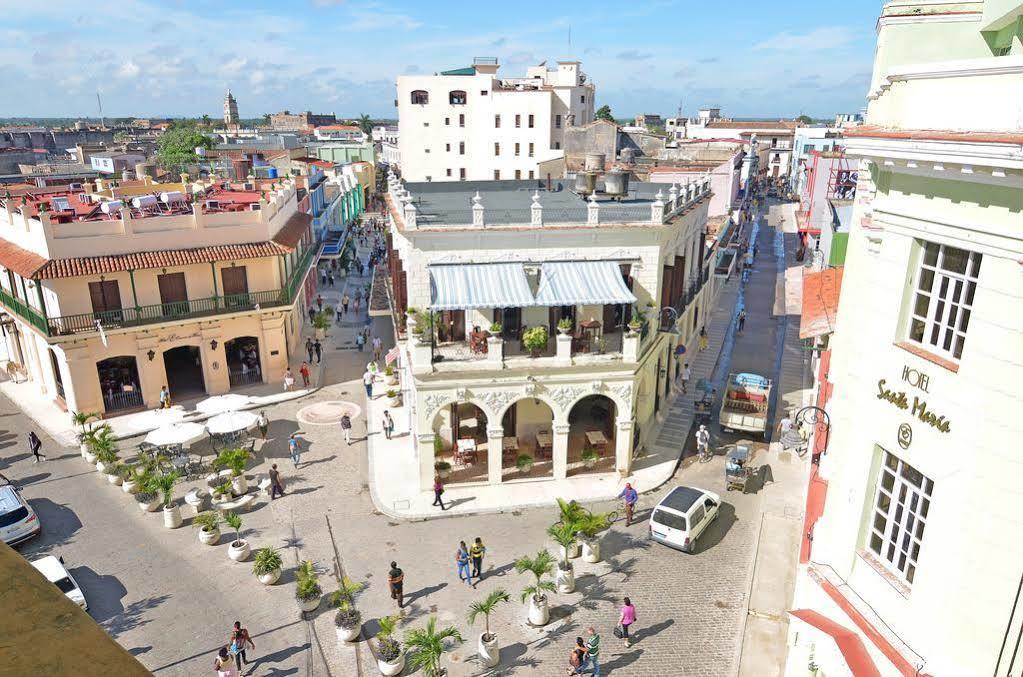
(641, 515)
(424, 592)
(657, 628)
(513, 657)
(501, 570)
(25, 481)
(277, 657)
(62, 457)
(12, 459)
(139, 650)
(621, 660)
(303, 490)
(459, 501)
(719, 528)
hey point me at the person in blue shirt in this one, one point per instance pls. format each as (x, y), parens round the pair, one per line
(630, 496)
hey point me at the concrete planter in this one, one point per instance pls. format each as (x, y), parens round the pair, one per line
(348, 634)
(90, 458)
(151, 506)
(114, 479)
(101, 467)
(489, 651)
(539, 611)
(270, 578)
(239, 550)
(571, 553)
(172, 516)
(198, 499)
(129, 486)
(565, 580)
(591, 551)
(83, 447)
(239, 485)
(320, 333)
(209, 537)
(308, 605)
(392, 668)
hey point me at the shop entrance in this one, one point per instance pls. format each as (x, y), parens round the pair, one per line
(119, 381)
(243, 361)
(184, 372)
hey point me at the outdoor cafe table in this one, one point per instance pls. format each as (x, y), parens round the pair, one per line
(544, 443)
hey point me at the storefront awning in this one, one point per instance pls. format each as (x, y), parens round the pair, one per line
(479, 285)
(569, 283)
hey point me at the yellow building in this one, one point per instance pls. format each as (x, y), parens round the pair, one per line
(107, 297)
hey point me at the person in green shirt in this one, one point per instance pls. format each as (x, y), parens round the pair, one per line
(592, 656)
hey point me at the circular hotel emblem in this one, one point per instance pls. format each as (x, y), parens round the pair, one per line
(905, 436)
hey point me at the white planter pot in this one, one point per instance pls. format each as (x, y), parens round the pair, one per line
(489, 652)
(539, 612)
(392, 668)
(395, 401)
(572, 553)
(591, 551)
(590, 464)
(392, 380)
(114, 479)
(320, 333)
(239, 485)
(310, 605)
(443, 474)
(101, 467)
(90, 458)
(239, 550)
(209, 537)
(172, 517)
(221, 498)
(565, 580)
(129, 486)
(151, 506)
(348, 634)
(270, 578)
(526, 467)
(84, 448)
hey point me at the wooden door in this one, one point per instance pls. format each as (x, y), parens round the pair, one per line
(106, 296)
(173, 293)
(236, 286)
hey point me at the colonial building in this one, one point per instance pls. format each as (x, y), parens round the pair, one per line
(109, 294)
(775, 137)
(230, 110)
(287, 121)
(469, 125)
(542, 325)
(911, 565)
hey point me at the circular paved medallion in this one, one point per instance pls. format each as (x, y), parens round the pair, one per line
(327, 413)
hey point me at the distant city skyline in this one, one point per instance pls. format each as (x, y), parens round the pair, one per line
(177, 58)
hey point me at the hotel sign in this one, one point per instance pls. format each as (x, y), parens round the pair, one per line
(915, 404)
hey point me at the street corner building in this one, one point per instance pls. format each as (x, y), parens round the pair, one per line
(110, 292)
(914, 548)
(538, 329)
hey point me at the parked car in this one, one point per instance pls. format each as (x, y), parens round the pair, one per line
(682, 516)
(55, 572)
(18, 521)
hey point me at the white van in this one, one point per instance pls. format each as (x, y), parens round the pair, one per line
(682, 516)
(55, 571)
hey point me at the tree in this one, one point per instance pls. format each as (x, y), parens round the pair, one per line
(604, 113)
(426, 646)
(539, 566)
(805, 119)
(205, 120)
(176, 148)
(365, 124)
(486, 607)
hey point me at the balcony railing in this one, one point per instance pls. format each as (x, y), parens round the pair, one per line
(163, 312)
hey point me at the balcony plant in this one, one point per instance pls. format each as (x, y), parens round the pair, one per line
(495, 329)
(565, 325)
(539, 566)
(171, 510)
(307, 587)
(239, 550)
(267, 565)
(565, 536)
(524, 462)
(535, 340)
(235, 459)
(488, 649)
(347, 620)
(394, 397)
(426, 646)
(391, 376)
(390, 657)
(208, 524)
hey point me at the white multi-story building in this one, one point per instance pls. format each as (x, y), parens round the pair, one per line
(776, 137)
(470, 125)
(385, 134)
(912, 564)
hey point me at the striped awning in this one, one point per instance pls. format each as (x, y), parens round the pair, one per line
(568, 283)
(479, 285)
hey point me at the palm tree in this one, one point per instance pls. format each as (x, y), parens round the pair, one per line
(539, 566)
(365, 124)
(569, 511)
(426, 646)
(205, 120)
(347, 589)
(563, 535)
(235, 522)
(486, 606)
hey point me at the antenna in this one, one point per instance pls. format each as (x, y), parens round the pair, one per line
(102, 122)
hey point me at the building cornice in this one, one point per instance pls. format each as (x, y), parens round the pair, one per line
(970, 149)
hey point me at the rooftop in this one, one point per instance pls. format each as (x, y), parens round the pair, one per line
(821, 291)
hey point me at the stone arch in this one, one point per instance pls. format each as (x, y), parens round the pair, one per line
(623, 404)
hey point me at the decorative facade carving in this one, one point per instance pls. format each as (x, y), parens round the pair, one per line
(496, 399)
(624, 391)
(565, 395)
(433, 402)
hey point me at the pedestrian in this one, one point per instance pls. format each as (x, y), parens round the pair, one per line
(626, 617)
(388, 425)
(330, 279)
(312, 314)
(239, 638)
(345, 300)
(630, 496)
(575, 659)
(476, 552)
(438, 491)
(323, 278)
(224, 664)
(592, 652)
(304, 371)
(358, 300)
(367, 380)
(164, 398)
(396, 581)
(339, 315)
(289, 379)
(742, 319)
(263, 423)
(276, 485)
(296, 453)
(462, 563)
(702, 441)
(346, 428)
(756, 249)
(319, 303)
(309, 348)
(703, 339)
(378, 347)
(318, 349)
(686, 375)
(360, 341)
(34, 443)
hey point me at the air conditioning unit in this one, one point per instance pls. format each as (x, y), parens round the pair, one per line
(75, 186)
(212, 204)
(254, 207)
(249, 186)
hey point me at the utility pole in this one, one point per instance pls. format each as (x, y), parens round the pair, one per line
(102, 122)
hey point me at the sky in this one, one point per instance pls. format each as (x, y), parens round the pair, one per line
(177, 57)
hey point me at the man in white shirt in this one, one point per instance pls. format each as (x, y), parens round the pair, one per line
(367, 380)
(686, 373)
(702, 441)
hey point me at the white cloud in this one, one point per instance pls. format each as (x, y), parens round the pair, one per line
(826, 37)
(372, 19)
(129, 70)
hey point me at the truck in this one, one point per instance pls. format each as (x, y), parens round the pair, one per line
(744, 405)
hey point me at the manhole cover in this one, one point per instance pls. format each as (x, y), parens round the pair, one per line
(327, 413)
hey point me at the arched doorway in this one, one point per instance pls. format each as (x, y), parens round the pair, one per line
(591, 435)
(184, 371)
(528, 431)
(243, 364)
(119, 382)
(460, 440)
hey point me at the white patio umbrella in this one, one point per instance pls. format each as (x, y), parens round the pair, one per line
(176, 433)
(231, 422)
(221, 403)
(155, 418)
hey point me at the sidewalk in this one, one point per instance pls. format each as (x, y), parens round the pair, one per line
(394, 481)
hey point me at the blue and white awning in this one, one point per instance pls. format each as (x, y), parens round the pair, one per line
(571, 283)
(479, 285)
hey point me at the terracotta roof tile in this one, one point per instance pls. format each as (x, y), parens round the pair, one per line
(291, 232)
(21, 261)
(872, 131)
(820, 302)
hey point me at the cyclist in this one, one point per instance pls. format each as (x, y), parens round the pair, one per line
(703, 442)
(630, 497)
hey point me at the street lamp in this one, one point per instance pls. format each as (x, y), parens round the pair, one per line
(815, 416)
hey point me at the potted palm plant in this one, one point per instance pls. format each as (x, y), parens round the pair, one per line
(130, 481)
(114, 473)
(81, 420)
(590, 527)
(590, 457)
(535, 340)
(536, 594)
(208, 524)
(390, 657)
(426, 647)
(569, 513)
(147, 496)
(347, 620)
(322, 321)
(239, 550)
(267, 565)
(488, 649)
(565, 325)
(391, 376)
(235, 459)
(223, 492)
(524, 462)
(564, 536)
(394, 397)
(307, 587)
(100, 437)
(171, 511)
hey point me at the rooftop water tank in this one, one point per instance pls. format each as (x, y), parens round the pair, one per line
(111, 207)
(594, 162)
(628, 155)
(616, 182)
(585, 182)
(271, 173)
(172, 197)
(143, 201)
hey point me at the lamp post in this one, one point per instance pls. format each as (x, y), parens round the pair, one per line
(816, 417)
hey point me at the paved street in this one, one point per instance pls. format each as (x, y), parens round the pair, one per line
(171, 600)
